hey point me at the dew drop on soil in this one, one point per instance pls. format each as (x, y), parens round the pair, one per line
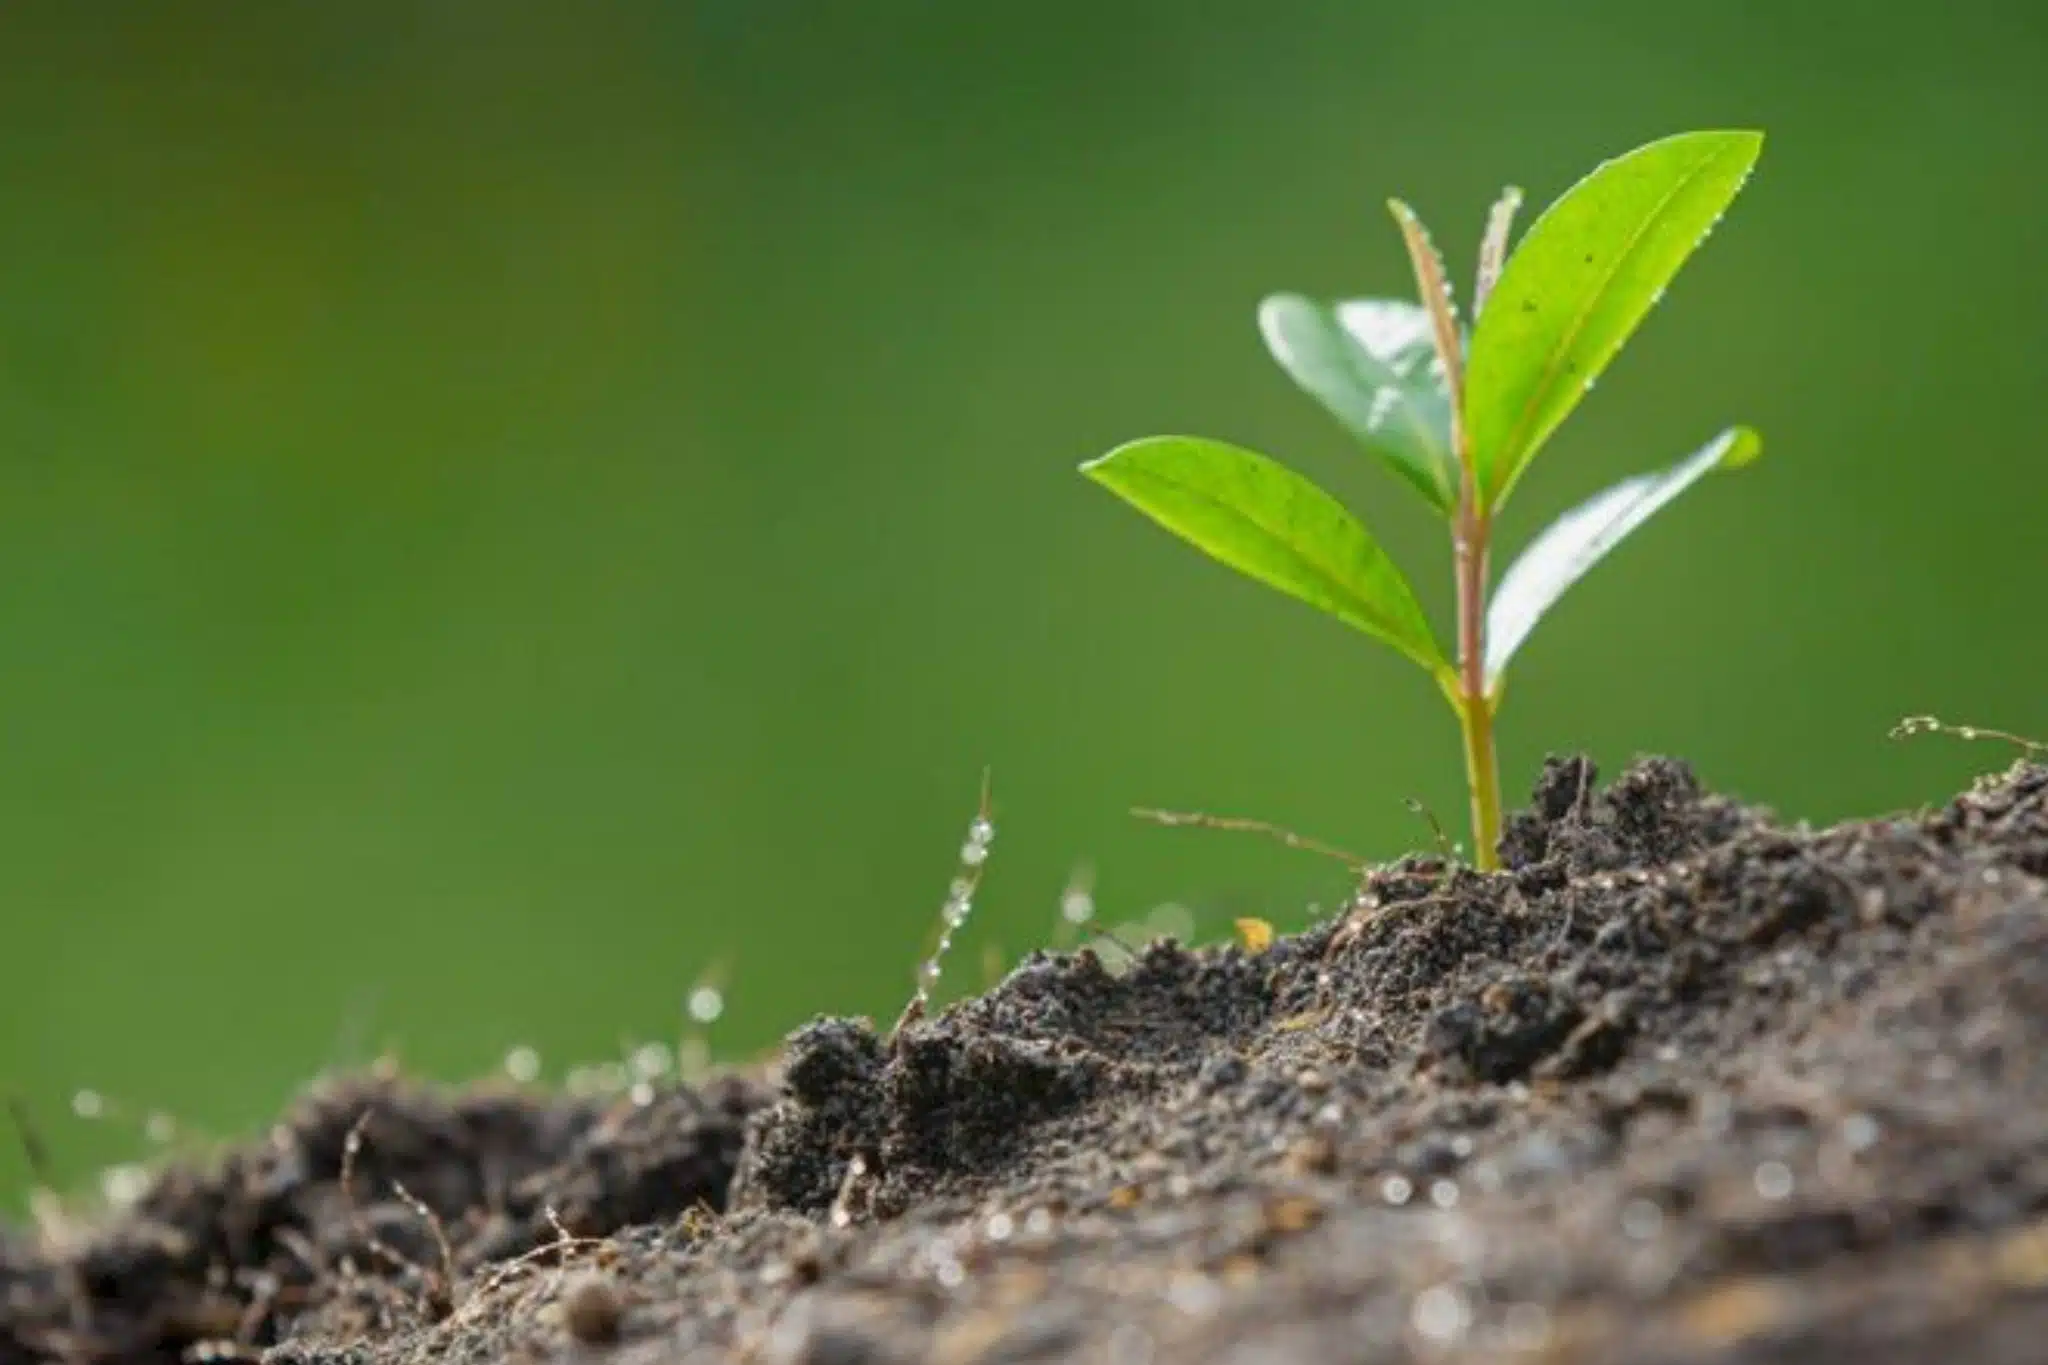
(1444, 1194)
(122, 1185)
(1440, 1314)
(1642, 1219)
(1860, 1132)
(1195, 1295)
(1773, 1180)
(1000, 1227)
(1396, 1190)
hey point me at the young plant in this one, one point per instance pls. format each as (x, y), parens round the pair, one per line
(1458, 415)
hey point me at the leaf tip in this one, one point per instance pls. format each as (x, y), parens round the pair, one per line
(1096, 466)
(1745, 445)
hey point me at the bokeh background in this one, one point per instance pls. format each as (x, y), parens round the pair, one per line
(506, 506)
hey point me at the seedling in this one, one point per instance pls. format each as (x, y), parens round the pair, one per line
(1458, 414)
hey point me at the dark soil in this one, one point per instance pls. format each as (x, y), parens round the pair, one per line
(1681, 1085)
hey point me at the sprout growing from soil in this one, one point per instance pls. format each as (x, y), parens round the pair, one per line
(1458, 414)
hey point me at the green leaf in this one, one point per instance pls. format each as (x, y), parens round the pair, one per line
(1373, 364)
(1576, 541)
(1269, 523)
(1582, 279)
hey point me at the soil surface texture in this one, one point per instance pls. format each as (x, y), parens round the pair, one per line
(1679, 1085)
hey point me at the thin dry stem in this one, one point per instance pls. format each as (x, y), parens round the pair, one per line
(1239, 825)
(560, 1248)
(1930, 725)
(441, 1295)
(960, 899)
(1445, 849)
(377, 1246)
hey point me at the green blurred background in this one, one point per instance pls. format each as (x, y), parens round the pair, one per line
(503, 506)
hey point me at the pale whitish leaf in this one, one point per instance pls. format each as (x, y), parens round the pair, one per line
(1373, 364)
(1270, 524)
(1576, 541)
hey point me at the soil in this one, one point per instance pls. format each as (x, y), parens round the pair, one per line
(1681, 1084)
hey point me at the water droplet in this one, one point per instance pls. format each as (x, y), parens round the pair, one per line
(642, 1094)
(948, 1272)
(928, 974)
(1773, 1180)
(981, 832)
(1195, 1295)
(957, 912)
(1038, 1222)
(973, 854)
(1396, 1190)
(1441, 1314)
(1000, 1227)
(1642, 1219)
(706, 1004)
(1444, 1193)
(522, 1064)
(650, 1060)
(1461, 1146)
(1860, 1132)
(160, 1127)
(89, 1104)
(123, 1185)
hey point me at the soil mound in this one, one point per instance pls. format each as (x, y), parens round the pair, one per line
(1679, 1085)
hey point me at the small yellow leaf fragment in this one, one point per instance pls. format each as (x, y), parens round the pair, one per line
(1255, 934)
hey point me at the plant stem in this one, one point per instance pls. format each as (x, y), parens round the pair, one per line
(1472, 525)
(1475, 708)
(1482, 773)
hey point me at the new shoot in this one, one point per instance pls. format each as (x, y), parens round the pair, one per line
(1457, 413)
